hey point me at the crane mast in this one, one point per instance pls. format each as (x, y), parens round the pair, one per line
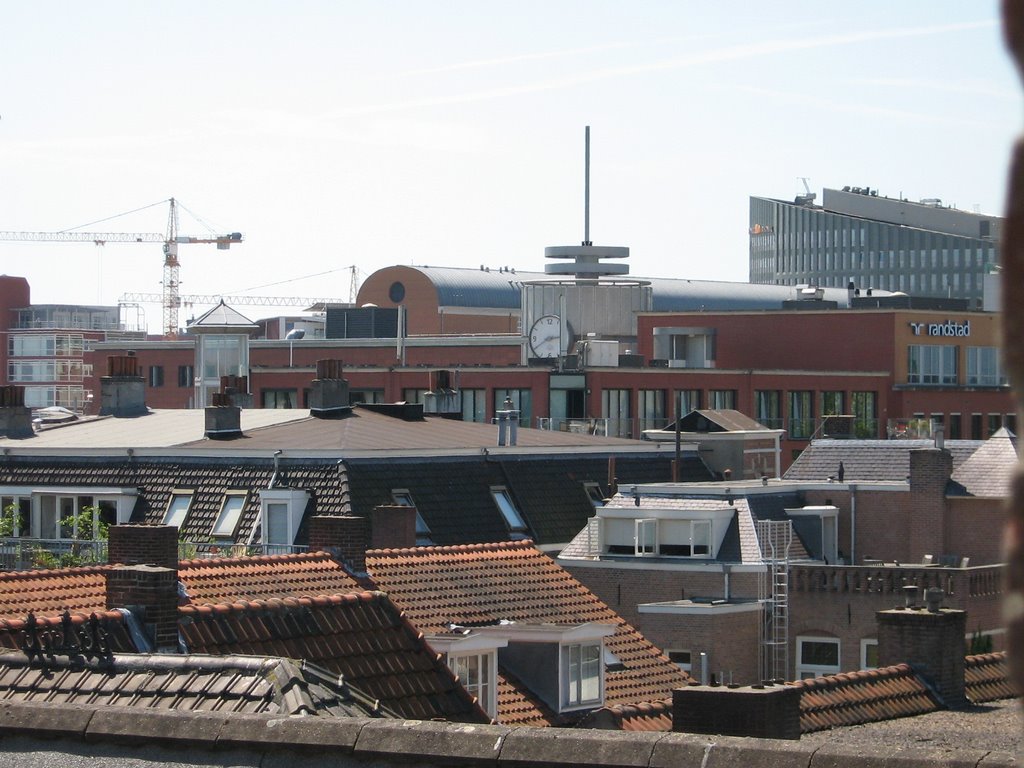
(171, 240)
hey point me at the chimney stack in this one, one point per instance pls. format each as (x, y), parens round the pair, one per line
(15, 416)
(930, 469)
(932, 641)
(122, 390)
(348, 537)
(151, 594)
(223, 420)
(129, 544)
(328, 398)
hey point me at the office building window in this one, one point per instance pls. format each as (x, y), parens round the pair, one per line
(768, 408)
(522, 401)
(186, 375)
(976, 424)
(156, 375)
(865, 413)
(687, 399)
(279, 398)
(615, 408)
(931, 364)
(955, 428)
(722, 399)
(651, 408)
(801, 414)
(474, 404)
(995, 421)
(984, 368)
(832, 403)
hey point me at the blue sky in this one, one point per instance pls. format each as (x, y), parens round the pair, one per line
(378, 133)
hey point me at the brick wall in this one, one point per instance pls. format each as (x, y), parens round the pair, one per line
(930, 469)
(765, 712)
(730, 640)
(151, 593)
(346, 537)
(143, 544)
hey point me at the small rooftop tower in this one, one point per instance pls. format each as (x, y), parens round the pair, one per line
(587, 260)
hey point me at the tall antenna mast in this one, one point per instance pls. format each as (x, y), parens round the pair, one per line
(586, 189)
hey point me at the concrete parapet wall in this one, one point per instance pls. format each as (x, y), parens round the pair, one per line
(31, 735)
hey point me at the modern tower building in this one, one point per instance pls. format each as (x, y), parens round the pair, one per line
(856, 236)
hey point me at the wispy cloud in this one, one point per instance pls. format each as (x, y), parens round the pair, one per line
(975, 87)
(701, 58)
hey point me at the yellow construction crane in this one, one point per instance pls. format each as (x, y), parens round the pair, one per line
(171, 240)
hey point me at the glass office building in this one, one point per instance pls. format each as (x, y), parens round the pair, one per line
(855, 236)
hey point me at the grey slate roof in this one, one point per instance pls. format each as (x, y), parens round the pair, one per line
(240, 684)
(990, 469)
(868, 460)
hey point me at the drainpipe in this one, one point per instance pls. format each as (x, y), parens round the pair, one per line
(853, 524)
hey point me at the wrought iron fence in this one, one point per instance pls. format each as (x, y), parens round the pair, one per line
(21, 553)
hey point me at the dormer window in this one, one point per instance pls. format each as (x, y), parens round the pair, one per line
(177, 508)
(513, 519)
(230, 515)
(582, 669)
(281, 511)
(472, 657)
(662, 537)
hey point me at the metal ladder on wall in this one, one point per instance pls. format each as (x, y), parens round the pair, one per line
(775, 537)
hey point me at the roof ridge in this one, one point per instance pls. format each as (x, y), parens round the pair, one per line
(55, 572)
(283, 603)
(78, 617)
(453, 548)
(210, 562)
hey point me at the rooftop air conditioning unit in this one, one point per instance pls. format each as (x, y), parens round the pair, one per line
(676, 363)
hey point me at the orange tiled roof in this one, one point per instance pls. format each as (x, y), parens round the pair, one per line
(514, 581)
(360, 636)
(262, 578)
(852, 698)
(987, 678)
(50, 592)
(648, 716)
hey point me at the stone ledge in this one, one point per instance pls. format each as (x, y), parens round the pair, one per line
(553, 746)
(125, 725)
(881, 757)
(451, 743)
(300, 733)
(30, 718)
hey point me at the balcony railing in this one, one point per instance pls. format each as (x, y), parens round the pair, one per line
(979, 581)
(23, 553)
(578, 426)
(188, 550)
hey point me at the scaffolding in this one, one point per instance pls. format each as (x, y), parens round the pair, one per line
(775, 537)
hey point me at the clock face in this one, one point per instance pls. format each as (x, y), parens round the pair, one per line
(546, 336)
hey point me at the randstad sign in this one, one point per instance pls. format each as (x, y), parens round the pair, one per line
(948, 328)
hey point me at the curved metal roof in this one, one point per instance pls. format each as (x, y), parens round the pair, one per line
(463, 287)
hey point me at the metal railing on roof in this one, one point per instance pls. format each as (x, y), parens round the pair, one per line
(22, 553)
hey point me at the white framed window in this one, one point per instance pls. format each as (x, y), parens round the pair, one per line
(177, 508)
(403, 498)
(984, 367)
(816, 656)
(931, 364)
(582, 679)
(868, 653)
(476, 672)
(514, 520)
(645, 537)
(230, 514)
(281, 511)
(685, 538)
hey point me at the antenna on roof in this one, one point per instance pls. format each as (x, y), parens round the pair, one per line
(586, 188)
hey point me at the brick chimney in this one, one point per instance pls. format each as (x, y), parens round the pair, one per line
(932, 641)
(223, 419)
(762, 711)
(151, 594)
(15, 416)
(328, 398)
(348, 537)
(122, 390)
(930, 469)
(143, 545)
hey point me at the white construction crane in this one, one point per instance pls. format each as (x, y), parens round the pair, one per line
(171, 240)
